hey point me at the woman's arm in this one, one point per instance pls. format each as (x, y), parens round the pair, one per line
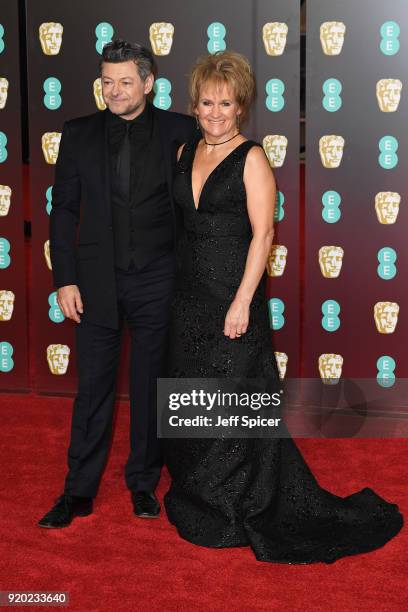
(261, 195)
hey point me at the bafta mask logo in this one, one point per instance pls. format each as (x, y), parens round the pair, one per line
(276, 263)
(332, 37)
(47, 254)
(58, 358)
(5, 200)
(388, 94)
(6, 304)
(97, 92)
(386, 317)
(51, 37)
(330, 368)
(275, 147)
(331, 150)
(161, 37)
(387, 205)
(330, 260)
(50, 142)
(282, 362)
(274, 36)
(4, 84)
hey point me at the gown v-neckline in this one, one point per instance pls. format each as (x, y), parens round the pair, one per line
(210, 174)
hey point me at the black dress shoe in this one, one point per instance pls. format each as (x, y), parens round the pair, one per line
(65, 510)
(145, 504)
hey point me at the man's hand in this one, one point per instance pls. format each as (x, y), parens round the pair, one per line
(69, 300)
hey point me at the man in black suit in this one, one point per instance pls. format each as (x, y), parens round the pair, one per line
(112, 231)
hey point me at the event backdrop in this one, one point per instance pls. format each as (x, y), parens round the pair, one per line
(65, 40)
(356, 301)
(13, 306)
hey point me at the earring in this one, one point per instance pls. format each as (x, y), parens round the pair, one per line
(238, 122)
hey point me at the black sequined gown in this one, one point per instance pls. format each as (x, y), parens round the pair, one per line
(240, 492)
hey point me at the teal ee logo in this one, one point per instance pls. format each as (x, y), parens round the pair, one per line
(389, 44)
(385, 367)
(3, 147)
(162, 89)
(331, 201)
(6, 360)
(276, 309)
(55, 313)
(216, 33)
(332, 100)
(4, 253)
(2, 45)
(104, 33)
(279, 213)
(275, 100)
(387, 258)
(48, 195)
(52, 88)
(388, 157)
(330, 319)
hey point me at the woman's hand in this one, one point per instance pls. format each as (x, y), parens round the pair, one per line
(237, 319)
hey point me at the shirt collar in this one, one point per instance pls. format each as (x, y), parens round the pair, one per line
(141, 123)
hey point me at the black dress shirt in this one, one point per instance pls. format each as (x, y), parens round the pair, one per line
(142, 218)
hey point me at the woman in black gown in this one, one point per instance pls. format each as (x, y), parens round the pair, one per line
(240, 492)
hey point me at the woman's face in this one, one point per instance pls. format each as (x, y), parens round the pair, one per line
(217, 110)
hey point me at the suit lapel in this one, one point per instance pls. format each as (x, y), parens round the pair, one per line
(169, 147)
(105, 164)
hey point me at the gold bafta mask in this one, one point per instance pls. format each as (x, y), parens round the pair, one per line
(97, 91)
(282, 362)
(330, 260)
(58, 358)
(50, 142)
(388, 94)
(161, 37)
(274, 37)
(6, 304)
(386, 316)
(51, 37)
(330, 367)
(275, 147)
(276, 263)
(5, 200)
(331, 150)
(47, 254)
(387, 205)
(3, 92)
(332, 37)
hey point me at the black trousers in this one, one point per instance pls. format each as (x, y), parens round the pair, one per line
(144, 303)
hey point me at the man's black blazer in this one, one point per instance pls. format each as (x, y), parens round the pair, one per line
(81, 236)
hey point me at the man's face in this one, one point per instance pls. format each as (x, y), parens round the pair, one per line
(123, 90)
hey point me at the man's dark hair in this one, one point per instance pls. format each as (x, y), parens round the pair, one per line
(122, 51)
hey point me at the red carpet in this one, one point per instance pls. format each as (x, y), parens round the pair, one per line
(112, 561)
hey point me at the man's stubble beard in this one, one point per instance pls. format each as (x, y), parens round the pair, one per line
(130, 110)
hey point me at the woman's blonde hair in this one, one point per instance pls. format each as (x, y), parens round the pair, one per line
(225, 67)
